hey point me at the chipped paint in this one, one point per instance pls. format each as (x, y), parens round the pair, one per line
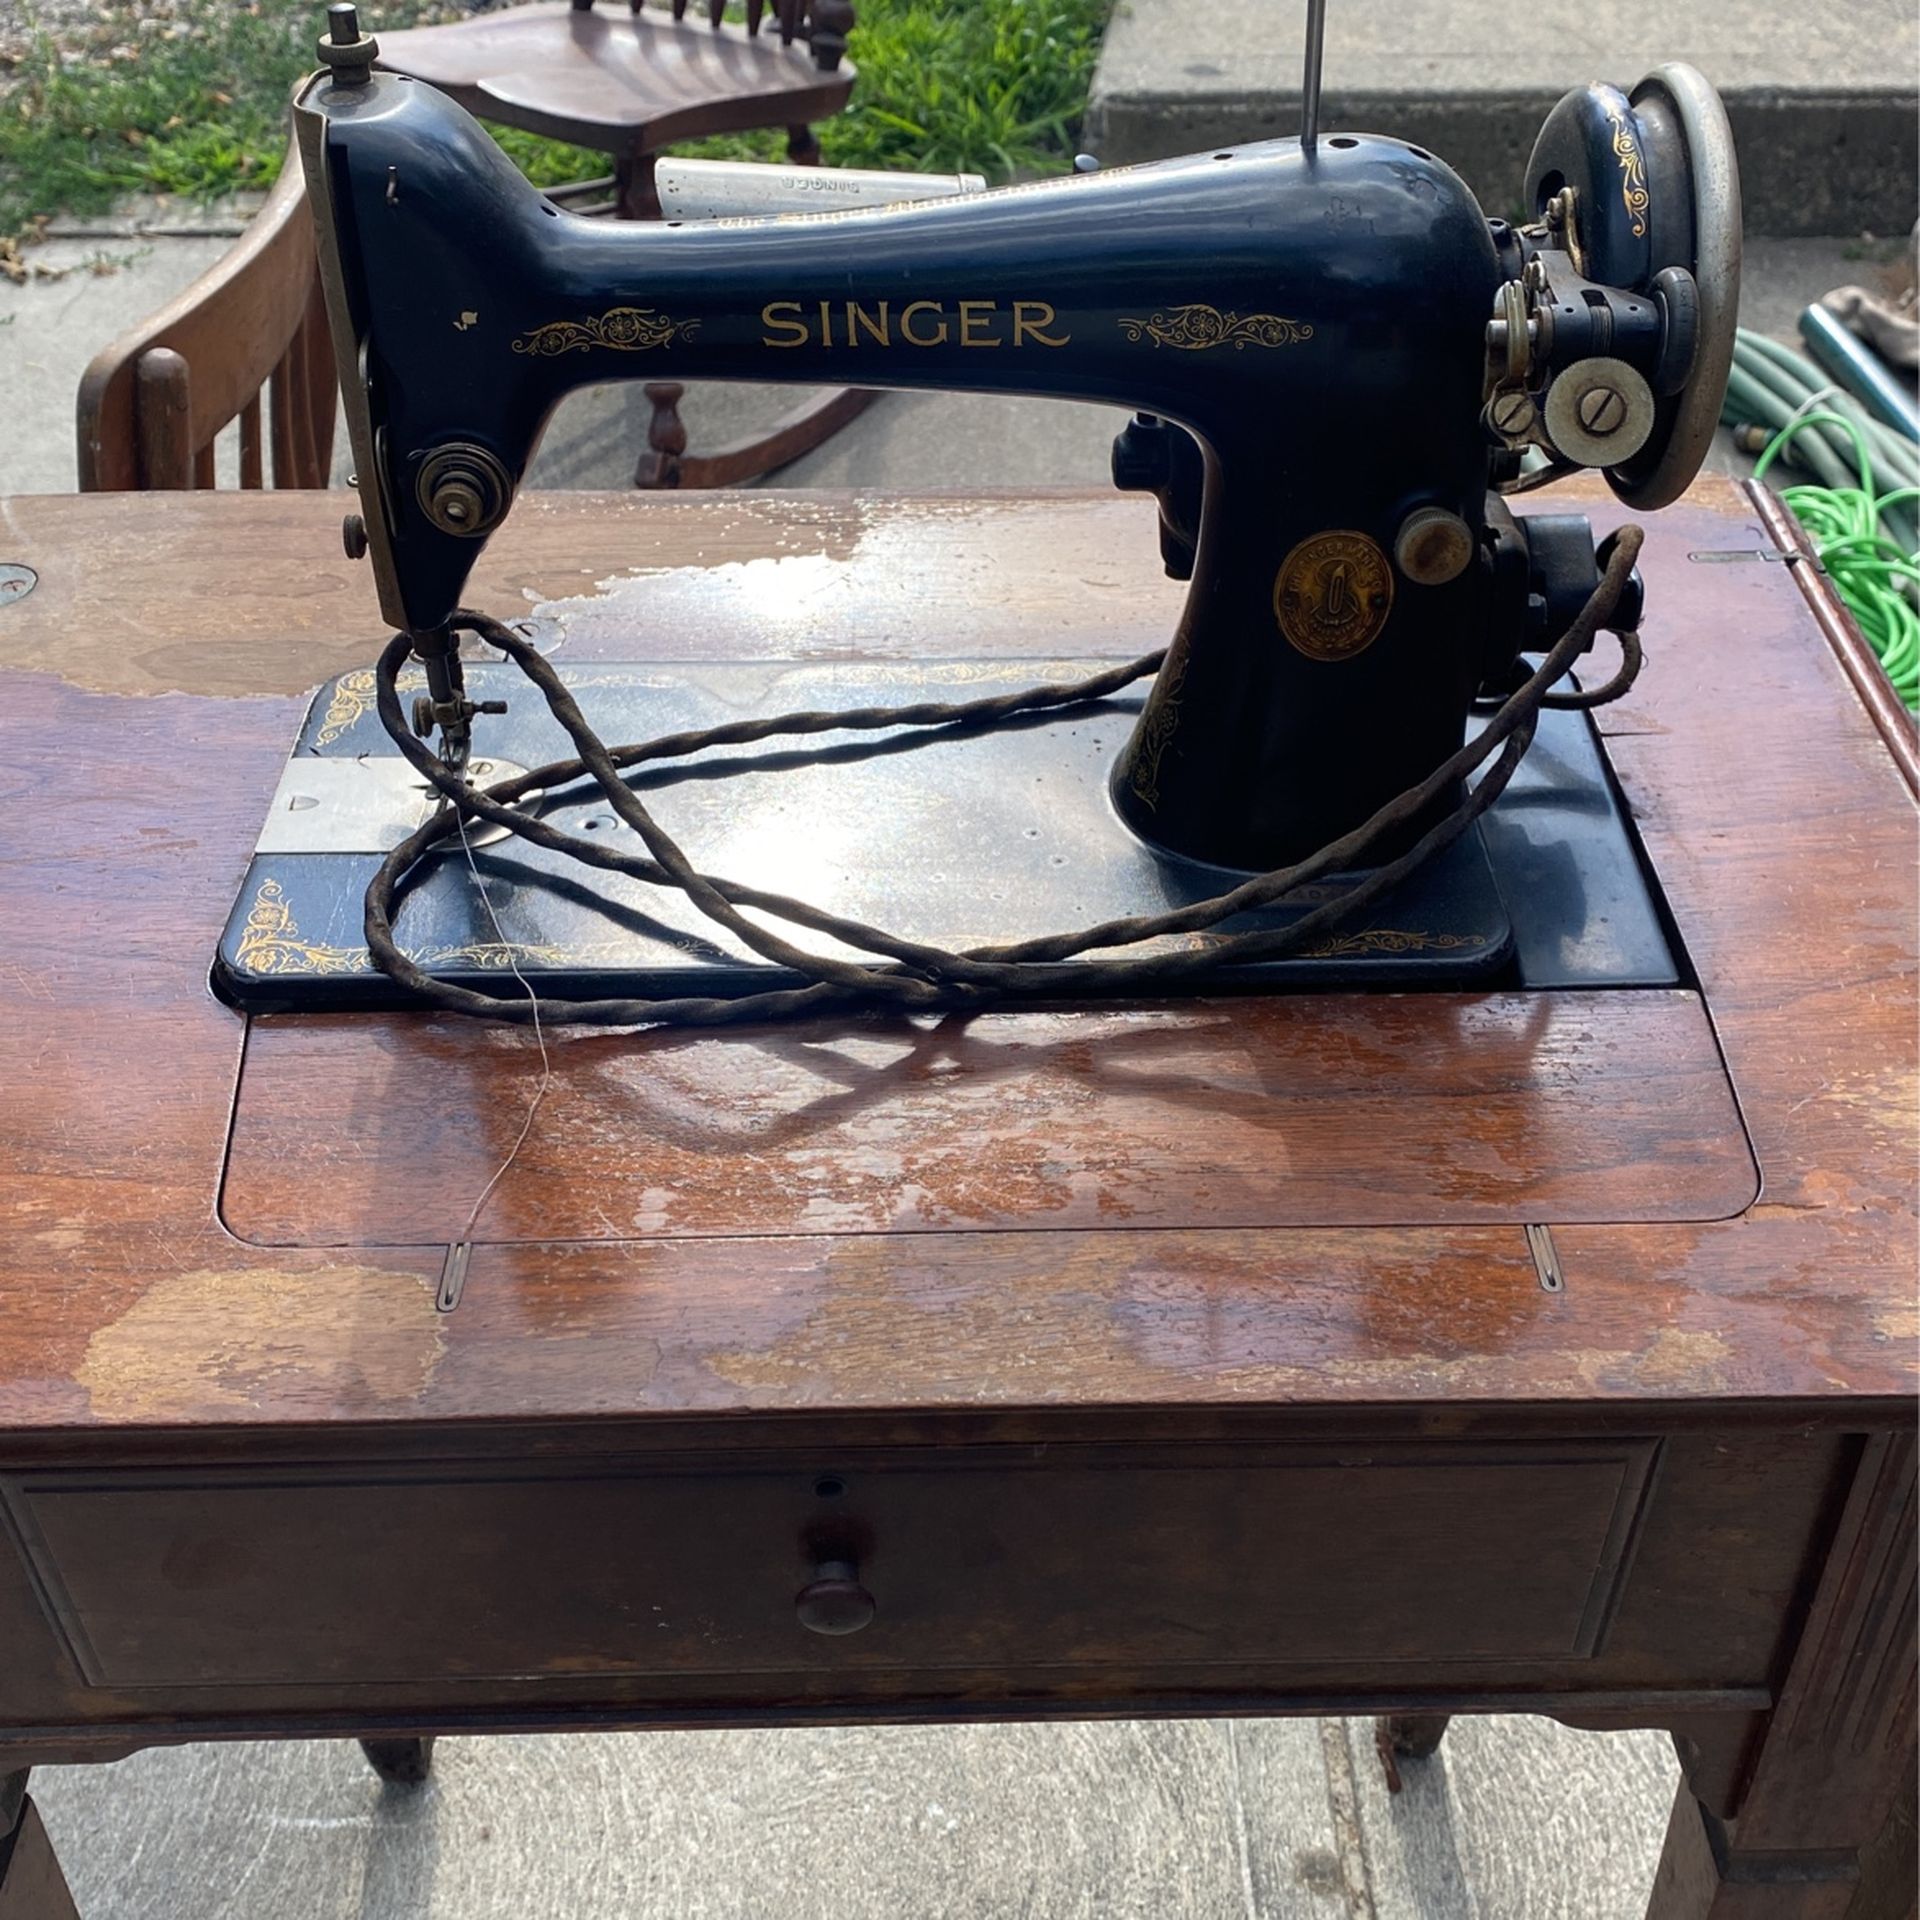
(1005, 1335)
(343, 1340)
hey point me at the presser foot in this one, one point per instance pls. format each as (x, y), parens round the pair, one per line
(445, 707)
(453, 721)
(958, 837)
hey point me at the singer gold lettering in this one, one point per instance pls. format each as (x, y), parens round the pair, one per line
(914, 323)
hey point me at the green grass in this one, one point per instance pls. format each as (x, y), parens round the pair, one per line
(195, 102)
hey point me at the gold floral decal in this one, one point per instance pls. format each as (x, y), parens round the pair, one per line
(1348, 946)
(270, 942)
(352, 696)
(1633, 172)
(1195, 328)
(1389, 940)
(625, 329)
(1156, 735)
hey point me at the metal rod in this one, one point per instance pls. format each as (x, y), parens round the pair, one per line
(1861, 371)
(714, 189)
(1310, 81)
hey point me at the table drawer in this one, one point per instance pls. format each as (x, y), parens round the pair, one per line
(1046, 1558)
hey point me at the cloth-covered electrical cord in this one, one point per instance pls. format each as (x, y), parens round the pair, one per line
(910, 975)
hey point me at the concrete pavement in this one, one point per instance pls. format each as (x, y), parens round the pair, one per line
(1171, 1820)
(85, 288)
(1822, 99)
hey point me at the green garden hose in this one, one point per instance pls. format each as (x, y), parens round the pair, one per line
(1862, 508)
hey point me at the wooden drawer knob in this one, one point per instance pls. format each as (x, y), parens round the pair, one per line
(834, 1601)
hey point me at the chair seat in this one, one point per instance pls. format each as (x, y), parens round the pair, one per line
(617, 81)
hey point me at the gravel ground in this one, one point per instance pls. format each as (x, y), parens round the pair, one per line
(59, 17)
(100, 31)
(105, 31)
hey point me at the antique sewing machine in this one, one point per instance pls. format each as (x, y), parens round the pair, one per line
(1341, 369)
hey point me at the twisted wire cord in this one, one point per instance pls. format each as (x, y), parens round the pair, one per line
(912, 976)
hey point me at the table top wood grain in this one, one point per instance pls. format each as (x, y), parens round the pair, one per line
(150, 686)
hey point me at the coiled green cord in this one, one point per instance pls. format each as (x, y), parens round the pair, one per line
(1862, 527)
(1866, 567)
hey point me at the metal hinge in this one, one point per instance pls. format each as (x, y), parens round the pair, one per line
(1546, 1260)
(1719, 556)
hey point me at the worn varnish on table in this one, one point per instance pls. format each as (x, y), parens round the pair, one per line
(1327, 1111)
(1157, 1359)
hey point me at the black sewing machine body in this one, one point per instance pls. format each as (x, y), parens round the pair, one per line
(1316, 321)
(1336, 361)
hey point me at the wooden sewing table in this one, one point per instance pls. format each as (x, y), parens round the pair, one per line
(1184, 1359)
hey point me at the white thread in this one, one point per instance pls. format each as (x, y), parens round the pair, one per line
(546, 1062)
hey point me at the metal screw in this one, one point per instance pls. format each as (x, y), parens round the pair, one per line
(353, 536)
(1603, 411)
(343, 24)
(1512, 413)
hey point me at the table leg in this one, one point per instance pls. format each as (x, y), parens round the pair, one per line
(1414, 1736)
(1817, 1833)
(32, 1887)
(404, 1762)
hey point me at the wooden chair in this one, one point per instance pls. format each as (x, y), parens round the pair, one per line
(630, 83)
(253, 325)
